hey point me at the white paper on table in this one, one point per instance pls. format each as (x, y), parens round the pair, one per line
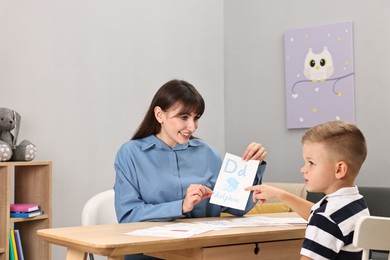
(219, 224)
(178, 230)
(222, 224)
(256, 221)
(270, 221)
(234, 176)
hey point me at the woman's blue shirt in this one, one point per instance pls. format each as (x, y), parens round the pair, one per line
(152, 179)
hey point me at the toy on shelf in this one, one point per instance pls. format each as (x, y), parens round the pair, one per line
(9, 130)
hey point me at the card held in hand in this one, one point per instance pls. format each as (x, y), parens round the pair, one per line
(234, 176)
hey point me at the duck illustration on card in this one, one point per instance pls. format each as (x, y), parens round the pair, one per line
(234, 176)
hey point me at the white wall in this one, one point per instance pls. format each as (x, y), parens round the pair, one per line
(82, 74)
(254, 79)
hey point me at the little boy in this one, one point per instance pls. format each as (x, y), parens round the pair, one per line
(333, 153)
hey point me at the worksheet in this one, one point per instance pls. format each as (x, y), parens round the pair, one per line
(178, 230)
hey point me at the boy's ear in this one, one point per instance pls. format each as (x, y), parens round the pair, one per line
(341, 170)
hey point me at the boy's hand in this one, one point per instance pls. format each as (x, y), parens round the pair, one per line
(263, 192)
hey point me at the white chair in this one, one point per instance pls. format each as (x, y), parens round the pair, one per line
(98, 210)
(372, 232)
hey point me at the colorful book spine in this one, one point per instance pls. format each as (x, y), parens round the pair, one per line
(15, 252)
(24, 207)
(11, 250)
(18, 242)
(26, 214)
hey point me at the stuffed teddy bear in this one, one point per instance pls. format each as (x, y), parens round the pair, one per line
(9, 130)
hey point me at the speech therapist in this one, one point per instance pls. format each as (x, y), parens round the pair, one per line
(164, 172)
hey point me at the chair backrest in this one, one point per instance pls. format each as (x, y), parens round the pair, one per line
(99, 209)
(372, 232)
(377, 199)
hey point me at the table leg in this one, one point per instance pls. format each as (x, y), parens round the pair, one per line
(116, 257)
(73, 254)
(183, 254)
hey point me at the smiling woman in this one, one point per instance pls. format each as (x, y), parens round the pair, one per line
(164, 172)
(177, 95)
(177, 125)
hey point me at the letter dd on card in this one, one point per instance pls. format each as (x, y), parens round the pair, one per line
(234, 176)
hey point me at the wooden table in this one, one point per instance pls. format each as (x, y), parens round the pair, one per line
(277, 242)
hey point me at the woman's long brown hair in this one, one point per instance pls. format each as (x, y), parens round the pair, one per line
(171, 93)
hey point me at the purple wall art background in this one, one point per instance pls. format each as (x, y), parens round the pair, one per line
(319, 75)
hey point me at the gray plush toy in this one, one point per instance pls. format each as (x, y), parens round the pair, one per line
(9, 130)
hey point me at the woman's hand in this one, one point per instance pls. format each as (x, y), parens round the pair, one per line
(254, 151)
(195, 194)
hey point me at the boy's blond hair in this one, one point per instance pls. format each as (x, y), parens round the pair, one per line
(344, 141)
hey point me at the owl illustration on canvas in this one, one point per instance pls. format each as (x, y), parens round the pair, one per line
(318, 66)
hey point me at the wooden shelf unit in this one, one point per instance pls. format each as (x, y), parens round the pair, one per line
(32, 183)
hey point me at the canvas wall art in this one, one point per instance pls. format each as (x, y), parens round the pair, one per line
(319, 75)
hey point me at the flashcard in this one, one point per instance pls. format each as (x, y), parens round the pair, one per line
(234, 176)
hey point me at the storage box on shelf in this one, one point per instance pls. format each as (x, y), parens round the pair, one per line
(32, 183)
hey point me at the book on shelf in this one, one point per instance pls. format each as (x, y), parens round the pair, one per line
(11, 249)
(24, 207)
(12, 241)
(18, 243)
(26, 214)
